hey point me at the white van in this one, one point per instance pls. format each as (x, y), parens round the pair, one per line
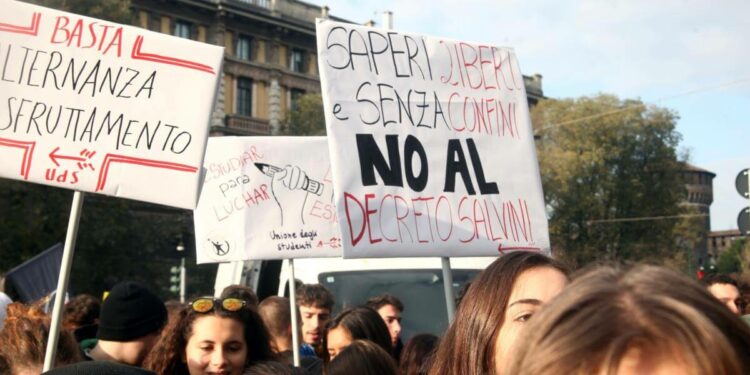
(417, 282)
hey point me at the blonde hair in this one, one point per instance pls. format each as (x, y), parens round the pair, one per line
(600, 316)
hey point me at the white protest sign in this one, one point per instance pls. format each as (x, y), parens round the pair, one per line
(431, 145)
(266, 198)
(95, 106)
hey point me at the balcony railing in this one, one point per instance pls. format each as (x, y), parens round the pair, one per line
(248, 125)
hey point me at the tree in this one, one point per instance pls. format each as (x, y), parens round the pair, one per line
(110, 10)
(307, 117)
(118, 239)
(730, 261)
(611, 181)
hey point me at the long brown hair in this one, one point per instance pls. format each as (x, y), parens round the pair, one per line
(468, 346)
(167, 355)
(601, 315)
(363, 357)
(23, 339)
(417, 354)
(362, 323)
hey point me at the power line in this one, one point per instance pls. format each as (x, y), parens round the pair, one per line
(644, 218)
(644, 105)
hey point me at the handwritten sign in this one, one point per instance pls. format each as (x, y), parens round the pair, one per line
(431, 145)
(266, 198)
(96, 106)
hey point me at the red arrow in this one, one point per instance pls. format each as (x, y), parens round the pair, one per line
(53, 156)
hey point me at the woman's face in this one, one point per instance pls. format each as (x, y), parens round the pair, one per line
(338, 339)
(532, 289)
(217, 346)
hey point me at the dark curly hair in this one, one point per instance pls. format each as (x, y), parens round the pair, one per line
(81, 310)
(166, 357)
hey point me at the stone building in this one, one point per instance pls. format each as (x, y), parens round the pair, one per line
(699, 194)
(721, 240)
(270, 55)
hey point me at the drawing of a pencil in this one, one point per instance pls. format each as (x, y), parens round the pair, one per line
(311, 186)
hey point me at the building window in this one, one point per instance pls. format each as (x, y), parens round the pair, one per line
(245, 97)
(183, 29)
(243, 48)
(294, 95)
(297, 62)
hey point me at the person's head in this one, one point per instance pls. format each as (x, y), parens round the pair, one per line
(645, 319)
(242, 292)
(277, 317)
(315, 304)
(417, 354)
(98, 368)
(390, 309)
(129, 323)
(271, 368)
(363, 357)
(23, 341)
(359, 323)
(81, 310)
(494, 310)
(211, 335)
(725, 289)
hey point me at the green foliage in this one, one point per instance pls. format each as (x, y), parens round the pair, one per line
(602, 168)
(730, 261)
(307, 118)
(118, 239)
(110, 10)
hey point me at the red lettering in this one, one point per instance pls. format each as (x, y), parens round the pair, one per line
(356, 239)
(60, 26)
(437, 218)
(115, 41)
(463, 218)
(400, 218)
(76, 33)
(471, 64)
(450, 112)
(369, 212)
(482, 63)
(380, 217)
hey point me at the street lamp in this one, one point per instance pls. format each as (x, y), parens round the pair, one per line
(181, 250)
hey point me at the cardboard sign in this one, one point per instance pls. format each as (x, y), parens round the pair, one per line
(95, 106)
(431, 145)
(266, 198)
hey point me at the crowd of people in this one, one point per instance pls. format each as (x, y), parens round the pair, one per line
(526, 313)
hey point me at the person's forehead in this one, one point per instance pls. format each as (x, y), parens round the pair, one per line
(310, 309)
(389, 310)
(541, 283)
(723, 289)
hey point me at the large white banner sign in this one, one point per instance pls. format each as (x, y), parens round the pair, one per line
(431, 145)
(95, 106)
(266, 198)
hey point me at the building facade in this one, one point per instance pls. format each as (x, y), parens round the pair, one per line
(270, 55)
(699, 195)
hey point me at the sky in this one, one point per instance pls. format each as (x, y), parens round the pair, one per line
(688, 56)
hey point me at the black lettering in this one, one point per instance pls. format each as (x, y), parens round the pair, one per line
(484, 186)
(412, 146)
(456, 163)
(371, 159)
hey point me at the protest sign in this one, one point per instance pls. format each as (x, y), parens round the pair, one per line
(266, 198)
(432, 150)
(95, 106)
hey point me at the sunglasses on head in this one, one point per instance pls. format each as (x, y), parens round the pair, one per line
(206, 304)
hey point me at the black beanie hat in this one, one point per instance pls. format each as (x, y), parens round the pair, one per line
(129, 312)
(99, 368)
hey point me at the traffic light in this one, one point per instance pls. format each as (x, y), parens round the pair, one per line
(742, 183)
(174, 285)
